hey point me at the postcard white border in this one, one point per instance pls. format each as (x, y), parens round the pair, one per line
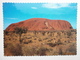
(63, 57)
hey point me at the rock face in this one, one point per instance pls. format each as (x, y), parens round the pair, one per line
(41, 24)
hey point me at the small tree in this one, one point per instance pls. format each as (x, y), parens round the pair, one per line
(20, 31)
(6, 32)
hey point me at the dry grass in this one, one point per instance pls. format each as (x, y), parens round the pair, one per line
(14, 49)
(40, 43)
(33, 51)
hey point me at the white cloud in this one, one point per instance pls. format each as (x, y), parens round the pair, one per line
(56, 5)
(24, 7)
(21, 7)
(34, 7)
(12, 18)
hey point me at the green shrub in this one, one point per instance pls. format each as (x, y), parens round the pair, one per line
(31, 51)
(71, 49)
(20, 31)
(6, 32)
(27, 42)
(54, 44)
(69, 33)
(16, 49)
(42, 51)
(51, 44)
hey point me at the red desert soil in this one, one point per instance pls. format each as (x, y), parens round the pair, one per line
(41, 24)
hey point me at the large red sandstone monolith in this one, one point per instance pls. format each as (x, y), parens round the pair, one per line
(41, 24)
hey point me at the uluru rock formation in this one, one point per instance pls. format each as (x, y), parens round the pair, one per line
(41, 24)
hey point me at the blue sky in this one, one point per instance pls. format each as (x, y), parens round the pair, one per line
(16, 12)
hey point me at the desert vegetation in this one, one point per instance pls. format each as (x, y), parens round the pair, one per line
(20, 31)
(32, 43)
